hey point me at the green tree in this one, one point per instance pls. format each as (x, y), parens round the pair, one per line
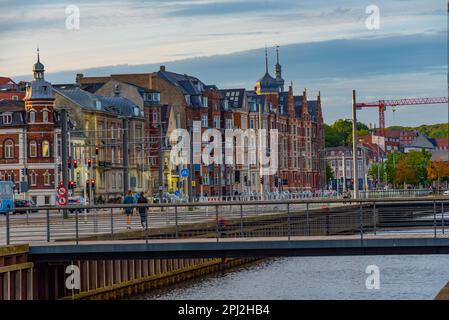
(340, 132)
(377, 171)
(330, 175)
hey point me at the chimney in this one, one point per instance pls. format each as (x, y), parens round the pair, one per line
(162, 68)
(78, 78)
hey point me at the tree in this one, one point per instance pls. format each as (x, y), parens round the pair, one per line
(437, 171)
(329, 173)
(340, 133)
(377, 172)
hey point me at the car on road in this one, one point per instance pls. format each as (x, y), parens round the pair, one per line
(19, 204)
(77, 201)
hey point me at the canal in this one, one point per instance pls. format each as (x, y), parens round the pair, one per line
(401, 277)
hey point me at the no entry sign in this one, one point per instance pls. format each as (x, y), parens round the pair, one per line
(62, 201)
(62, 191)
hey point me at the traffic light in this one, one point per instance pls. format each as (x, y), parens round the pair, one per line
(97, 149)
(93, 183)
(200, 180)
(89, 163)
(72, 185)
(261, 180)
(75, 164)
(69, 163)
(24, 171)
(276, 182)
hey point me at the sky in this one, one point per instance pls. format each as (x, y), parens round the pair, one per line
(325, 45)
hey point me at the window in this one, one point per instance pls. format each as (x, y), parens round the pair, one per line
(229, 124)
(32, 116)
(45, 149)
(251, 124)
(47, 200)
(204, 120)
(15, 98)
(46, 178)
(155, 117)
(7, 118)
(9, 149)
(45, 116)
(217, 121)
(33, 178)
(112, 131)
(204, 101)
(33, 149)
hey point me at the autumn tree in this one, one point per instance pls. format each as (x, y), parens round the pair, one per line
(437, 171)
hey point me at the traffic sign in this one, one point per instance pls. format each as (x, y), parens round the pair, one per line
(62, 201)
(177, 193)
(185, 173)
(62, 191)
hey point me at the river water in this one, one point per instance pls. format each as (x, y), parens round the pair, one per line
(400, 277)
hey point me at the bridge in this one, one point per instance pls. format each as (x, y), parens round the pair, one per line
(184, 240)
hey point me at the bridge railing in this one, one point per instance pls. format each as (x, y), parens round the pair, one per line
(224, 221)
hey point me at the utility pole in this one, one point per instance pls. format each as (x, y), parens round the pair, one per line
(125, 155)
(65, 169)
(355, 164)
(260, 152)
(72, 164)
(161, 180)
(190, 164)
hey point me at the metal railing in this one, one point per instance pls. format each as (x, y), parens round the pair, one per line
(216, 221)
(396, 193)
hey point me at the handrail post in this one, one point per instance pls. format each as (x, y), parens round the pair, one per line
(361, 221)
(307, 219)
(434, 219)
(147, 216)
(112, 223)
(375, 218)
(289, 222)
(241, 221)
(76, 226)
(8, 235)
(442, 217)
(176, 222)
(48, 224)
(216, 221)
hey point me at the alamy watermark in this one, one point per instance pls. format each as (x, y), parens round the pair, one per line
(373, 280)
(73, 280)
(241, 147)
(372, 22)
(73, 21)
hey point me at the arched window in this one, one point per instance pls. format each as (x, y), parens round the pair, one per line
(9, 149)
(45, 149)
(32, 116)
(33, 149)
(45, 116)
(46, 178)
(33, 178)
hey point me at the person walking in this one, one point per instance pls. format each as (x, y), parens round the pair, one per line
(129, 199)
(143, 210)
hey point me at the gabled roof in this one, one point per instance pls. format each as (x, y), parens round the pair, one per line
(16, 109)
(6, 80)
(421, 142)
(188, 84)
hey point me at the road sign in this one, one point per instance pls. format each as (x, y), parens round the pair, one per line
(177, 193)
(184, 173)
(62, 191)
(62, 201)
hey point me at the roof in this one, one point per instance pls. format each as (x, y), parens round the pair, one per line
(16, 109)
(421, 142)
(188, 84)
(6, 80)
(442, 142)
(234, 96)
(91, 102)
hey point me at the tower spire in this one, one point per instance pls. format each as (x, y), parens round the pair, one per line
(277, 54)
(38, 57)
(266, 59)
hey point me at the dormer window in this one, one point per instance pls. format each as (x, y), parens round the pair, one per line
(205, 102)
(7, 118)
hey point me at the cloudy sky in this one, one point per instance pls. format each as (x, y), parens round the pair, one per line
(325, 45)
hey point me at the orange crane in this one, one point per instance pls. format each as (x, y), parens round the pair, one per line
(383, 104)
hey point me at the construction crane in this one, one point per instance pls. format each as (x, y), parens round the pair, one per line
(383, 104)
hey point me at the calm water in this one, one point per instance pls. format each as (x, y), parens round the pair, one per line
(401, 277)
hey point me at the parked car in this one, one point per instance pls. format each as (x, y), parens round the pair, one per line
(77, 201)
(18, 204)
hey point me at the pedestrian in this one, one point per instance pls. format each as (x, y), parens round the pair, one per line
(143, 210)
(129, 199)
